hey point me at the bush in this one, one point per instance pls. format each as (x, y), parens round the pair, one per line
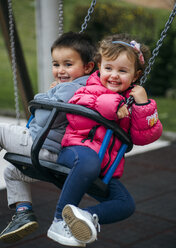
(141, 23)
(163, 73)
(108, 19)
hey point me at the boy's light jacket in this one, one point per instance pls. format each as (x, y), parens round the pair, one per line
(61, 92)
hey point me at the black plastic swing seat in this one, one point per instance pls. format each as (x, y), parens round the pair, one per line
(59, 172)
(53, 172)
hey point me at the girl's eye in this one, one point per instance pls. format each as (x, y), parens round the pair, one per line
(68, 64)
(124, 71)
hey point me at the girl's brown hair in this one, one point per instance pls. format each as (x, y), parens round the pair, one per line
(111, 50)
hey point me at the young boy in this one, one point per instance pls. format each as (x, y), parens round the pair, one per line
(72, 62)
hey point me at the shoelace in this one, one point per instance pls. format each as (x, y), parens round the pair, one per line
(13, 217)
(66, 228)
(95, 221)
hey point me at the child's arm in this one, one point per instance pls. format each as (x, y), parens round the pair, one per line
(145, 125)
(106, 104)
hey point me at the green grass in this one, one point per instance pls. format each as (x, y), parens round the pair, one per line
(24, 12)
(167, 113)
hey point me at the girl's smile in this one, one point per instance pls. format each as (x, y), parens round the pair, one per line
(117, 75)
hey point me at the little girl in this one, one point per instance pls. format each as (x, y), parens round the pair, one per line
(121, 63)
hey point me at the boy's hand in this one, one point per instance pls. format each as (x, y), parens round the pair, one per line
(139, 94)
(122, 112)
(53, 84)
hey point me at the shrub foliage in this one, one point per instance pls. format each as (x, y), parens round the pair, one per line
(138, 22)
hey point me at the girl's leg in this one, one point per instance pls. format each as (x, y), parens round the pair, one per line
(118, 206)
(85, 168)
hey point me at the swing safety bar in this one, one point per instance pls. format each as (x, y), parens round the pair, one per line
(55, 173)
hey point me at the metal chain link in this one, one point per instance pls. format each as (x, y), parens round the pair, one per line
(158, 45)
(155, 52)
(87, 18)
(61, 17)
(13, 57)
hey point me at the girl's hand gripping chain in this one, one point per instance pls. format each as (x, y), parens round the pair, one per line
(139, 94)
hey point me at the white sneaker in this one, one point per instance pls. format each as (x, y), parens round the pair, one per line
(60, 232)
(81, 223)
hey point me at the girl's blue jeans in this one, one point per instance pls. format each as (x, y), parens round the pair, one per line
(85, 168)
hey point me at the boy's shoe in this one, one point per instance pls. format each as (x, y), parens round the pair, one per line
(81, 223)
(23, 223)
(60, 232)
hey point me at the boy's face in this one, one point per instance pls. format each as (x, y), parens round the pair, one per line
(117, 75)
(67, 65)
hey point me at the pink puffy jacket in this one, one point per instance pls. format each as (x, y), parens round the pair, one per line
(143, 122)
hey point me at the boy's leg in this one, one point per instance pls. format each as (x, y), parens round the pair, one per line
(24, 221)
(17, 139)
(14, 138)
(17, 185)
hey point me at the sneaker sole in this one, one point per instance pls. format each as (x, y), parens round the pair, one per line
(61, 240)
(19, 233)
(81, 229)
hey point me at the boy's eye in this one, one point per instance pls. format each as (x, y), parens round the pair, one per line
(108, 68)
(122, 70)
(55, 64)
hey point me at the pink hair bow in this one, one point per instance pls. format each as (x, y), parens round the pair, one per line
(137, 46)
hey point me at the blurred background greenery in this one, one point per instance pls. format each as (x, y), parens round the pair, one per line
(109, 17)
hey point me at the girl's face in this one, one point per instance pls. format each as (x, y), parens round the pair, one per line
(67, 65)
(117, 75)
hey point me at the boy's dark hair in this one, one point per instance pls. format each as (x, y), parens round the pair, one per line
(81, 43)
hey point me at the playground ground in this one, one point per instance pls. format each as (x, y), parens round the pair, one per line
(149, 176)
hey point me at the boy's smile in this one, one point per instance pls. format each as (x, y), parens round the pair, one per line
(67, 64)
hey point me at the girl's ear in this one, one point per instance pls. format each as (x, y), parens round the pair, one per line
(138, 74)
(89, 67)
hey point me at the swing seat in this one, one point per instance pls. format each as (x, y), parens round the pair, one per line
(54, 172)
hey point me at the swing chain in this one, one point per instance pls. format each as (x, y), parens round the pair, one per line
(155, 52)
(60, 17)
(13, 58)
(87, 18)
(158, 45)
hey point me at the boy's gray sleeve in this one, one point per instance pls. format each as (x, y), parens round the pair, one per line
(61, 92)
(65, 92)
(47, 95)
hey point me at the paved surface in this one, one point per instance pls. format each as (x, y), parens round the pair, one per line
(151, 179)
